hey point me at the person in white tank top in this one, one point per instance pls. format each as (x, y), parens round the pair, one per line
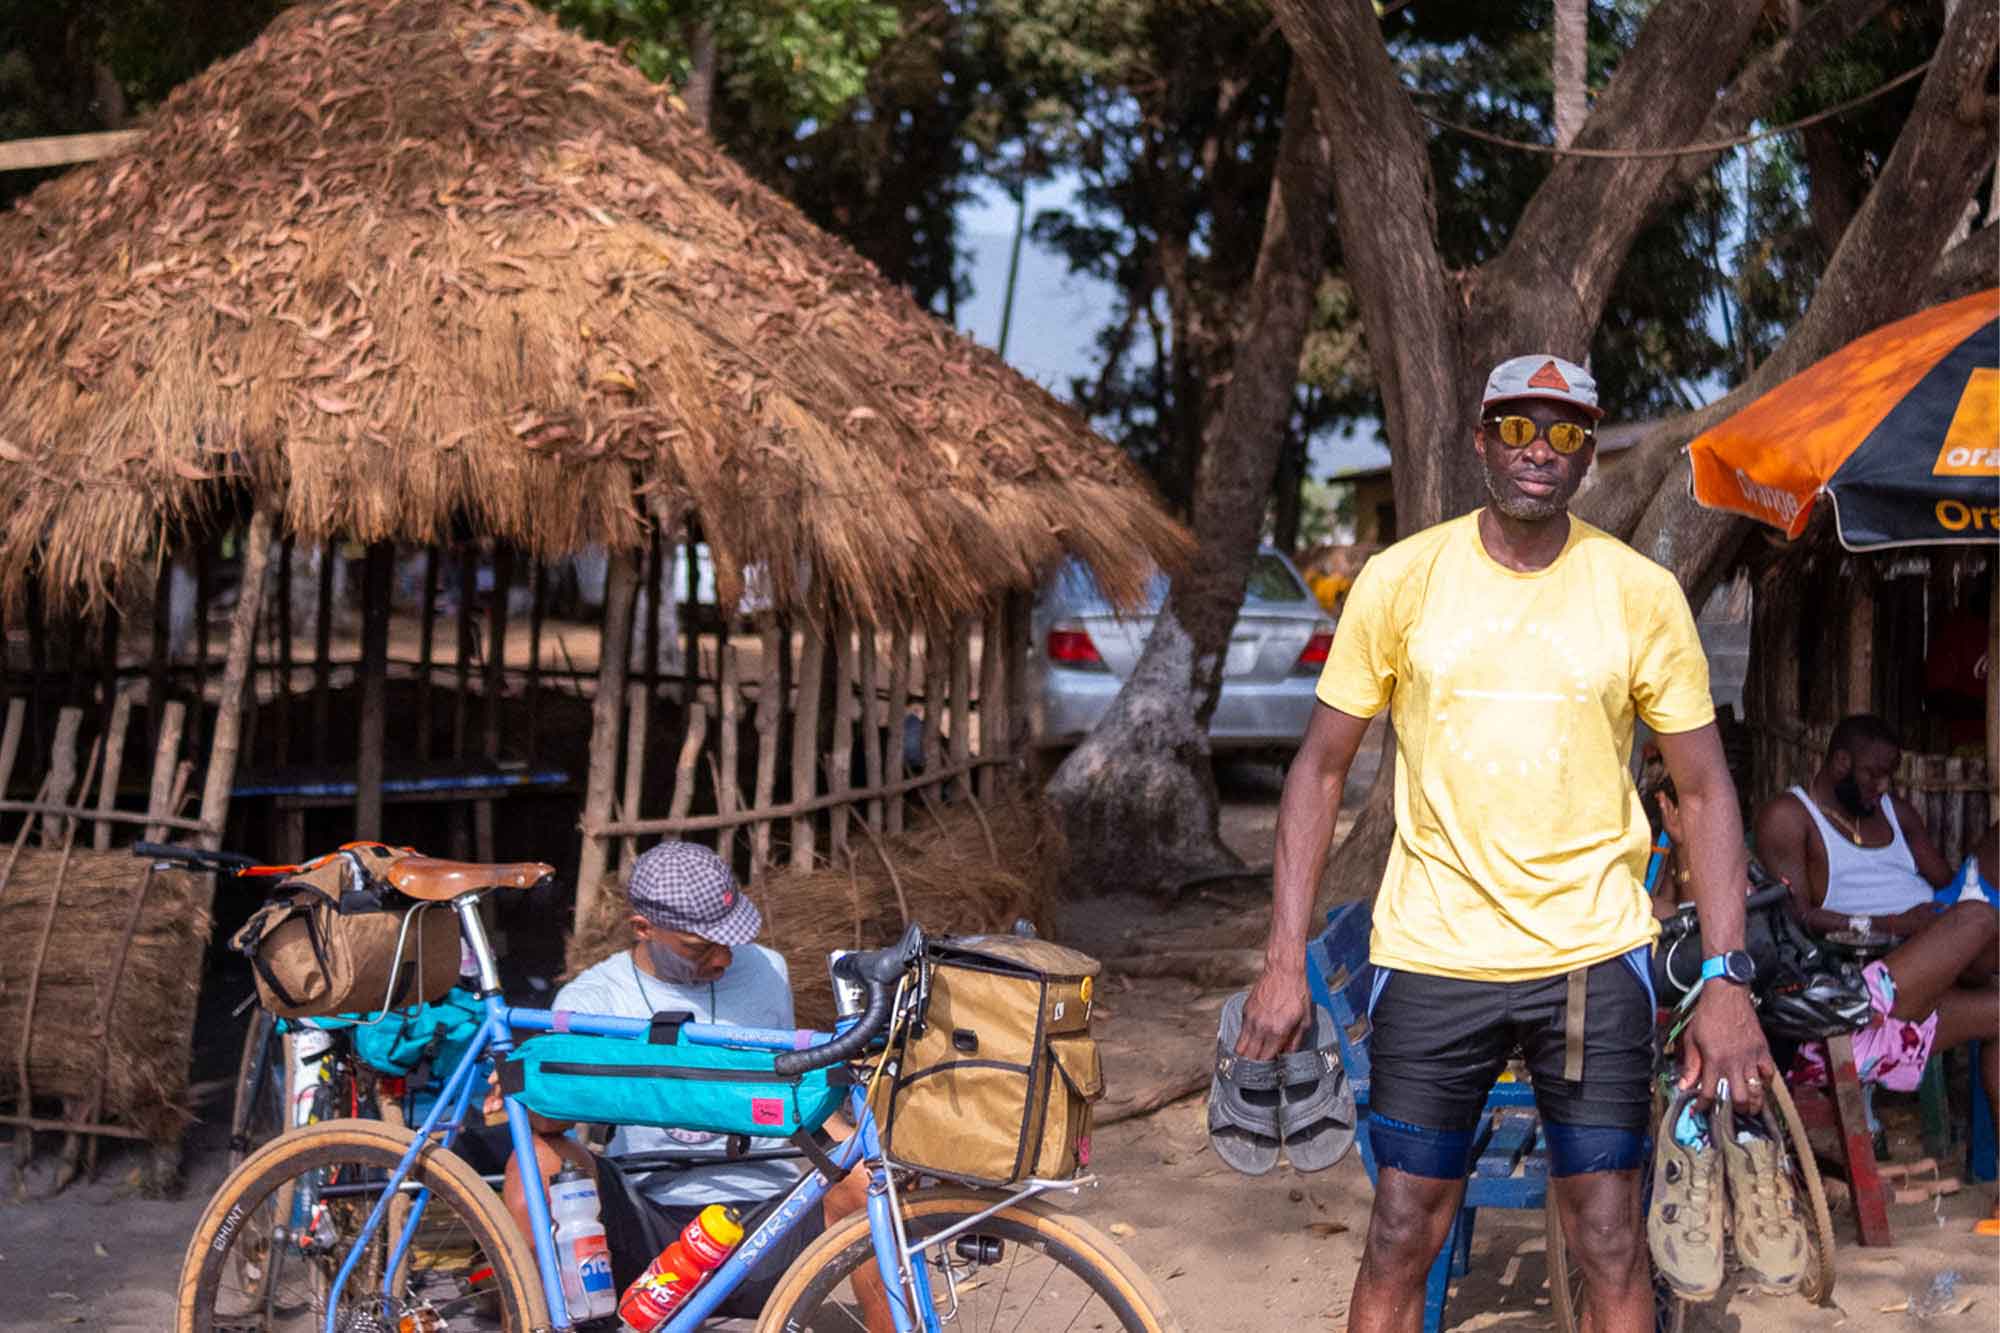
(1858, 858)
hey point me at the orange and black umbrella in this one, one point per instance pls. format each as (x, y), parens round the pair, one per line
(1900, 427)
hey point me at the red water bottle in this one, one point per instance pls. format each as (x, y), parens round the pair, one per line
(672, 1277)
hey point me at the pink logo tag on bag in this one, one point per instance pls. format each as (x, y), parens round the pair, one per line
(1083, 1151)
(767, 1111)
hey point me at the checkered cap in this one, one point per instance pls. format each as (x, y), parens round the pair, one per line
(686, 887)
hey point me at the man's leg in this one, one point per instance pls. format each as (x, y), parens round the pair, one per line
(1593, 1074)
(1406, 1229)
(1605, 1235)
(847, 1197)
(1928, 965)
(1437, 1046)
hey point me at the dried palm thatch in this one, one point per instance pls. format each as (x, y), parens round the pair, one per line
(135, 1061)
(946, 873)
(403, 264)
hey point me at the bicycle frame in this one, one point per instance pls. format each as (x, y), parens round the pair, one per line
(907, 1283)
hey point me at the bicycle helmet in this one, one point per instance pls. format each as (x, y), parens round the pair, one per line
(1815, 1007)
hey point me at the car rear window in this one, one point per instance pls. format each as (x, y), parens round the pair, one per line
(1271, 580)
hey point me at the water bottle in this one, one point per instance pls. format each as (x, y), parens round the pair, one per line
(581, 1253)
(703, 1244)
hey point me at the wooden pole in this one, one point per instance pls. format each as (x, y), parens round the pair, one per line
(638, 699)
(537, 608)
(159, 803)
(323, 653)
(684, 771)
(899, 709)
(375, 593)
(961, 689)
(229, 713)
(107, 661)
(1020, 612)
(621, 581)
(283, 695)
(992, 696)
(937, 691)
(692, 666)
(114, 763)
(870, 673)
(468, 592)
(656, 588)
(729, 698)
(1861, 647)
(495, 688)
(619, 828)
(204, 589)
(10, 742)
(426, 652)
(840, 755)
(156, 668)
(770, 706)
(38, 663)
(62, 773)
(805, 736)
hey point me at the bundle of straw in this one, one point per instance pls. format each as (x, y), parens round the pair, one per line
(112, 1042)
(950, 881)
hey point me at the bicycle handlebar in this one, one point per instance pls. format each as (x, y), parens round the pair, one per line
(878, 969)
(199, 858)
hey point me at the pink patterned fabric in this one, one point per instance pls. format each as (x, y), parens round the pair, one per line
(1891, 1052)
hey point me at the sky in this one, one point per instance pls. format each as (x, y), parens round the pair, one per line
(1057, 314)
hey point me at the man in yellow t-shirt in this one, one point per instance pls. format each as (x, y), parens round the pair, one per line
(1515, 647)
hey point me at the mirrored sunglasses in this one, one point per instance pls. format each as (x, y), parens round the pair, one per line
(1518, 432)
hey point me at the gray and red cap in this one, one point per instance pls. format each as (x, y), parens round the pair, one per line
(1539, 375)
(686, 887)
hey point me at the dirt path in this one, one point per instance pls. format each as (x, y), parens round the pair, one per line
(1231, 1254)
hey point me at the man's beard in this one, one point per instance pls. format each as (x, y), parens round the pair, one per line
(1848, 793)
(1523, 508)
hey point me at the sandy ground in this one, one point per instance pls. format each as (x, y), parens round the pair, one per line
(1231, 1254)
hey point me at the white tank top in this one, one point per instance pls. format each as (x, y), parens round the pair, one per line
(1867, 881)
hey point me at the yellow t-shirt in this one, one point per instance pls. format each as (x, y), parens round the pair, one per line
(1521, 844)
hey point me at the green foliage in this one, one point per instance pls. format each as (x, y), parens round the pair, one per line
(790, 60)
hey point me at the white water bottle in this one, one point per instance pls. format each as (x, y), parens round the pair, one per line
(581, 1252)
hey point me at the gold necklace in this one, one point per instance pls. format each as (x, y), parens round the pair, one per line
(1853, 831)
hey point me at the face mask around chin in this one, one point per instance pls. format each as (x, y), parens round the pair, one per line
(669, 966)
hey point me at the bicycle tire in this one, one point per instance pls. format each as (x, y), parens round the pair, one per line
(1073, 1244)
(373, 1146)
(1566, 1294)
(261, 1106)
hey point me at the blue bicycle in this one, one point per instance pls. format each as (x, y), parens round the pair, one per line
(350, 1225)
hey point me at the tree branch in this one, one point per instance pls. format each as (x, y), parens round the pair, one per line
(1970, 266)
(1572, 238)
(1884, 265)
(1388, 228)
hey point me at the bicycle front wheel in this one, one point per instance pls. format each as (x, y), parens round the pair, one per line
(1028, 1268)
(305, 1197)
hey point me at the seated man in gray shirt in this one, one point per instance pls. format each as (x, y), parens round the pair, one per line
(693, 954)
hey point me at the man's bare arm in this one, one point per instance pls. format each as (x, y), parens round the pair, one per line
(1723, 1038)
(1307, 813)
(1930, 861)
(1783, 833)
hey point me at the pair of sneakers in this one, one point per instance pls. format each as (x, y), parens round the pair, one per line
(1712, 1173)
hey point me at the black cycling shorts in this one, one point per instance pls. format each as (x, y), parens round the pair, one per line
(1440, 1042)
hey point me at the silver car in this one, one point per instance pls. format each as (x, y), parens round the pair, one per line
(1081, 651)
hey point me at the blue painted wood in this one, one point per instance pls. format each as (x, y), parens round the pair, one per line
(1340, 977)
(1980, 1148)
(1513, 1137)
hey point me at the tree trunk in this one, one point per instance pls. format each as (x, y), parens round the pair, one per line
(699, 94)
(1433, 334)
(1138, 796)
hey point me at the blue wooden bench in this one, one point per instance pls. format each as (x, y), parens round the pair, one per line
(1510, 1169)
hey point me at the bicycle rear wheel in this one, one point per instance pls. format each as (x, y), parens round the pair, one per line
(1027, 1268)
(305, 1196)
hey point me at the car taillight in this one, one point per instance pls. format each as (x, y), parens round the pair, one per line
(1072, 647)
(1315, 653)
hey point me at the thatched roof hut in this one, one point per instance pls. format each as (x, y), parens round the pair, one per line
(406, 264)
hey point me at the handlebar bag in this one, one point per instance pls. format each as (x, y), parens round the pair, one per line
(311, 959)
(996, 1084)
(668, 1084)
